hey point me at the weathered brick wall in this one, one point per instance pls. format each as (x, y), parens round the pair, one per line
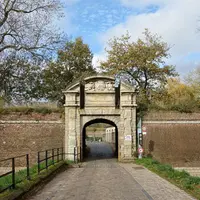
(22, 134)
(173, 138)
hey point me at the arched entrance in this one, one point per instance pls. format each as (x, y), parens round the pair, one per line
(101, 99)
(95, 121)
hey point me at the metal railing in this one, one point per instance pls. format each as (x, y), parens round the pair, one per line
(12, 173)
(44, 160)
(49, 157)
(77, 154)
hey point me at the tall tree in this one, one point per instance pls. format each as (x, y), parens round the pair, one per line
(180, 96)
(26, 26)
(73, 62)
(20, 80)
(141, 63)
(176, 95)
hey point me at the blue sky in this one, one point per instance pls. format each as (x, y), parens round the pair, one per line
(90, 18)
(98, 21)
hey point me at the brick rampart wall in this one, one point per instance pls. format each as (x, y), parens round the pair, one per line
(28, 134)
(173, 138)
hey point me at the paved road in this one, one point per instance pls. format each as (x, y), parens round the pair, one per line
(105, 179)
(99, 150)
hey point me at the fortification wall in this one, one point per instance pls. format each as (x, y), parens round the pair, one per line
(173, 137)
(27, 134)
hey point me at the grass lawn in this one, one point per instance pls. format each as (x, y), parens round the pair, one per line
(21, 175)
(182, 179)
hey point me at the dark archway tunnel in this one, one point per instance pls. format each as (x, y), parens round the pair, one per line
(99, 146)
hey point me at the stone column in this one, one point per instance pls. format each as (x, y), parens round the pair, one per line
(128, 118)
(70, 125)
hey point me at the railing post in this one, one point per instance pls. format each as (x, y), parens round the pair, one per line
(46, 158)
(75, 154)
(13, 173)
(80, 155)
(62, 153)
(53, 156)
(27, 167)
(38, 162)
(57, 154)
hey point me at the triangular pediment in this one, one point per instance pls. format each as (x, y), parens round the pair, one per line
(99, 84)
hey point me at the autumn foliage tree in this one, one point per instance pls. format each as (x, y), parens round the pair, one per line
(180, 97)
(141, 63)
(175, 96)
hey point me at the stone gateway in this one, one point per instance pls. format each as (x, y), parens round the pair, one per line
(100, 99)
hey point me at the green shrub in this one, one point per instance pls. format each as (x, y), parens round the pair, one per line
(154, 162)
(193, 180)
(178, 175)
(162, 167)
(185, 108)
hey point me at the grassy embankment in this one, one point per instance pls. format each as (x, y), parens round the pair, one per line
(28, 110)
(182, 179)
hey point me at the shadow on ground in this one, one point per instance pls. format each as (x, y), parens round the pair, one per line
(99, 151)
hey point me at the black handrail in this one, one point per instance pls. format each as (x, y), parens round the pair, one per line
(13, 157)
(57, 155)
(50, 158)
(13, 171)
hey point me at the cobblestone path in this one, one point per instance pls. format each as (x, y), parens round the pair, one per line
(105, 179)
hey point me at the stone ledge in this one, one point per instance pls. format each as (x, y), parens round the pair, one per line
(172, 122)
(31, 122)
(100, 114)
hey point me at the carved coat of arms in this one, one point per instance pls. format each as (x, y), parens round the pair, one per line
(99, 86)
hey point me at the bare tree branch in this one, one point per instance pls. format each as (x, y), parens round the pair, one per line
(25, 25)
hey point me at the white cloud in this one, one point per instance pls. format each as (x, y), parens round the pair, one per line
(97, 58)
(176, 21)
(143, 3)
(66, 25)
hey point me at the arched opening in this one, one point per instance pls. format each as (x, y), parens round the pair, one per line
(98, 144)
